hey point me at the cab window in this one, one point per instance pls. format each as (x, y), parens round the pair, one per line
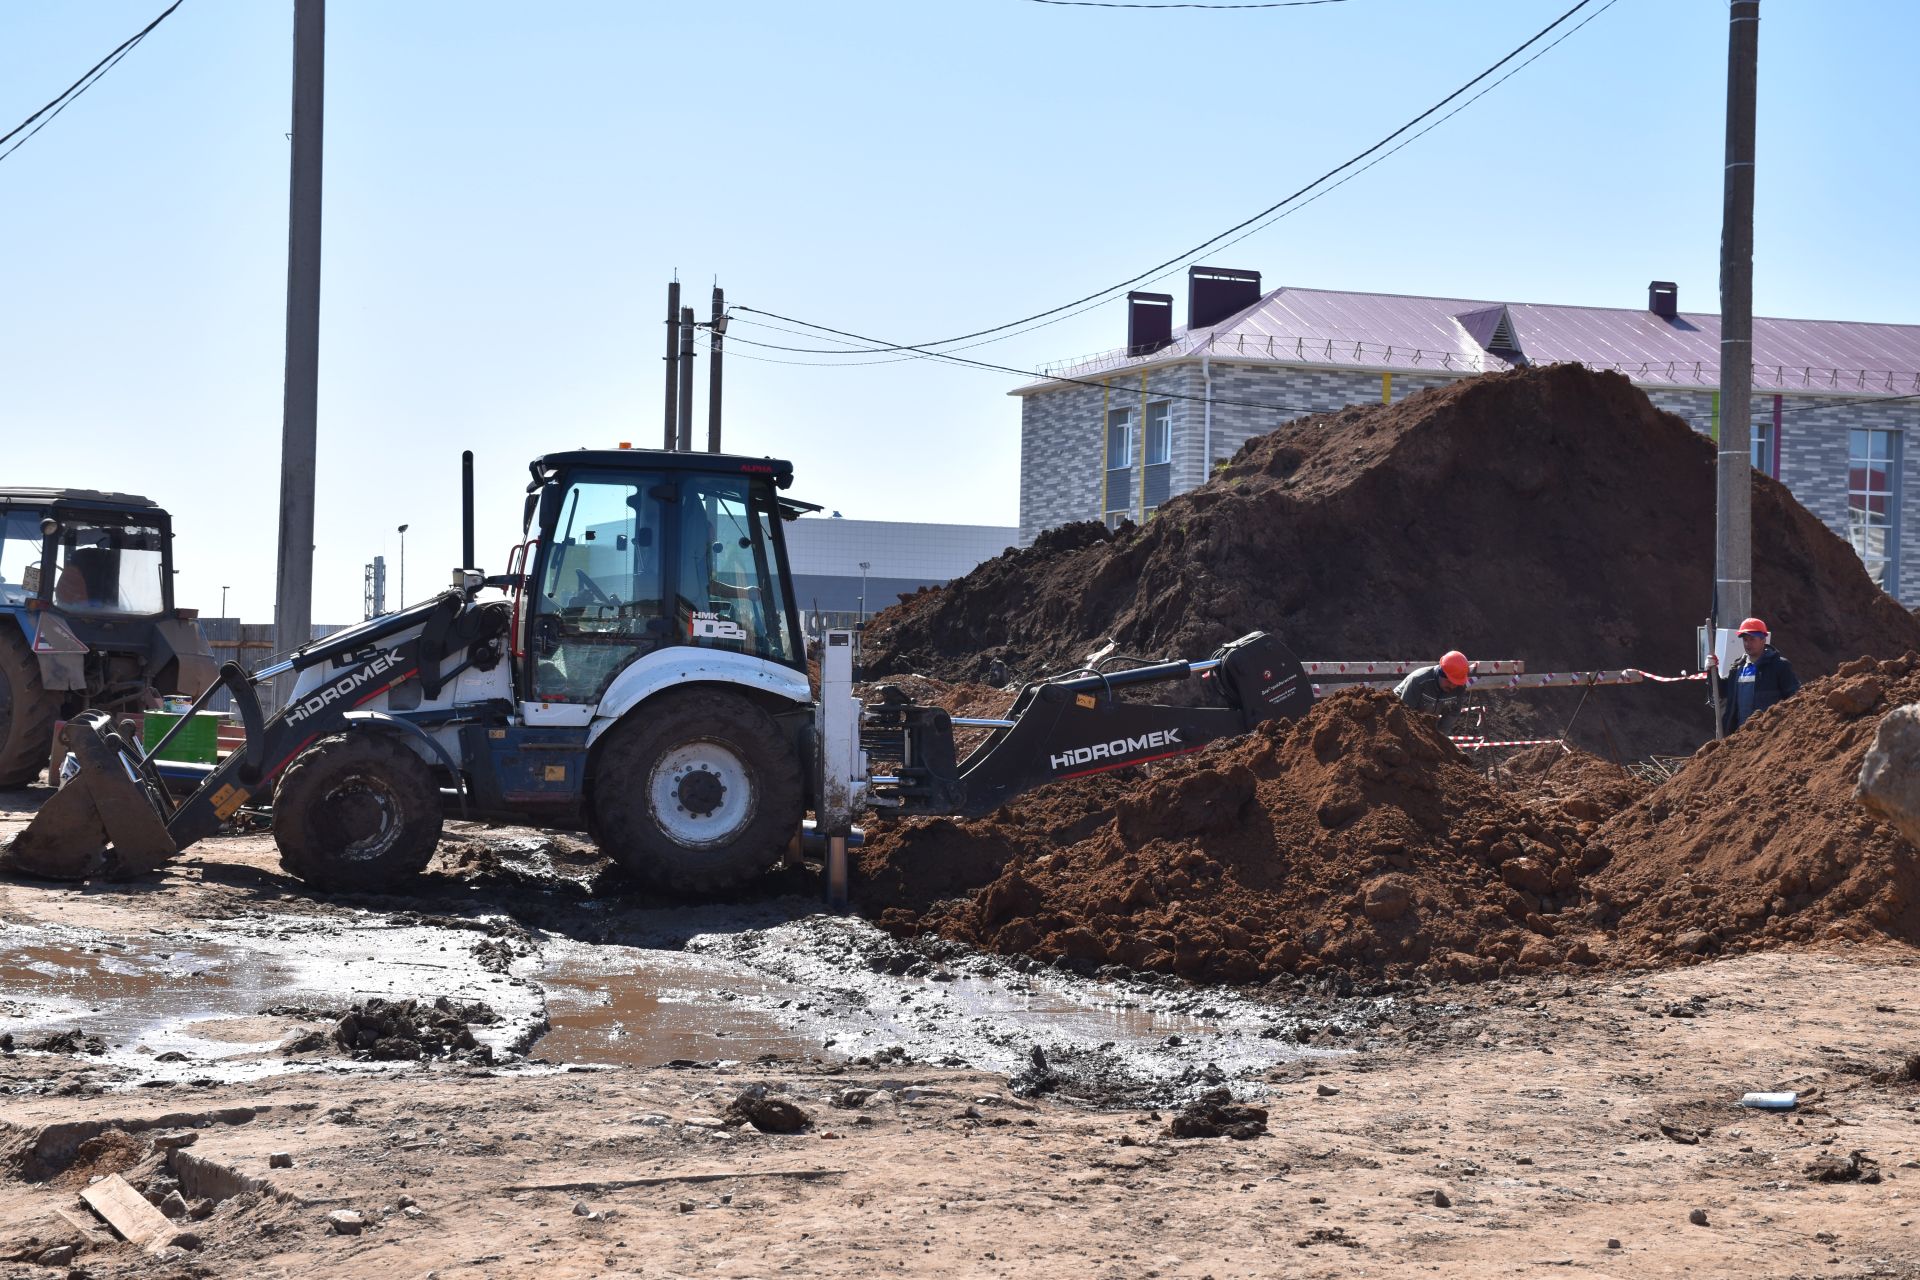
(729, 591)
(20, 544)
(600, 598)
(104, 566)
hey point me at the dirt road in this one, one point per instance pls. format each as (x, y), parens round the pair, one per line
(1511, 1128)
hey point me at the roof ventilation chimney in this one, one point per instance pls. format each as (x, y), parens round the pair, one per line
(1149, 322)
(1663, 299)
(1214, 293)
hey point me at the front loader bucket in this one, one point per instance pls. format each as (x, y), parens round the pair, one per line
(105, 823)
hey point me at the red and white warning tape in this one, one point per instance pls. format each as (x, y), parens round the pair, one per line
(1480, 744)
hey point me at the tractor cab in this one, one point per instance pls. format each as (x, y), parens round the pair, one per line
(89, 554)
(630, 553)
(86, 616)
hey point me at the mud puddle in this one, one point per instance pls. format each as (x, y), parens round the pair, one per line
(219, 1003)
(706, 985)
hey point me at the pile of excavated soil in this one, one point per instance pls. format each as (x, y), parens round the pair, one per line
(1548, 514)
(1575, 783)
(1759, 840)
(1356, 838)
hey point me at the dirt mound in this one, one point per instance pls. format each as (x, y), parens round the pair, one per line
(1356, 838)
(1758, 839)
(1581, 786)
(1548, 514)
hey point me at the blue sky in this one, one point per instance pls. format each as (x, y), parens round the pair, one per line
(509, 186)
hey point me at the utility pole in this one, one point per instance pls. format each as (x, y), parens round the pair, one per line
(684, 441)
(1733, 523)
(293, 589)
(719, 329)
(673, 347)
(403, 566)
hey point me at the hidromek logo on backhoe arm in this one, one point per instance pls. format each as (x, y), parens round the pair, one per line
(1118, 749)
(314, 703)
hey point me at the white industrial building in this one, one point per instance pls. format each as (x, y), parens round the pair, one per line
(846, 569)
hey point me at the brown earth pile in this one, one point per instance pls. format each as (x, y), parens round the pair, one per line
(1759, 839)
(1357, 838)
(1578, 784)
(1548, 514)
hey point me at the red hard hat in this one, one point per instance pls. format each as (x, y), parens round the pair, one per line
(1753, 627)
(1453, 665)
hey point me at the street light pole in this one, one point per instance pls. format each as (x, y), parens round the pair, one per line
(403, 566)
(864, 566)
(223, 601)
(1733, 507)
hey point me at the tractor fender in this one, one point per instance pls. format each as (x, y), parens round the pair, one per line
(62, 670)
(779, 687)
(179, 644)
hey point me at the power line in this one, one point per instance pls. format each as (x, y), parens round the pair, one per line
(93, 76)
(1244, 224)
(1314, 411)
(911, 353)
(1113, 4)
(1029, 373)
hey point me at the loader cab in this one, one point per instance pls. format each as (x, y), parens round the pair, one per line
(92, 555)
(636, 552)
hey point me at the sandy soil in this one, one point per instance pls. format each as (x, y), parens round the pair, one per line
(1550, 1118)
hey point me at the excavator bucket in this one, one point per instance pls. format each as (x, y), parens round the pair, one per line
(107, 822)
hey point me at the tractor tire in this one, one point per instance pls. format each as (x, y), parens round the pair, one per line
(27, 710)
(697, 793)
(357, 811)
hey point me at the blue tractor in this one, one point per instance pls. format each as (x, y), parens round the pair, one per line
(87, 620)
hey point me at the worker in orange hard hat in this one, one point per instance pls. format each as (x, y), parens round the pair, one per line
(1760, 679)
(1440, 688)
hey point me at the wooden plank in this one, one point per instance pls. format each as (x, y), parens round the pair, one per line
(128, 1213)
(667, 1179)
(84, 1227)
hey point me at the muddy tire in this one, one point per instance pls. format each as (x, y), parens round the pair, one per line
(357, 811)
(27, 710)
(697, 792)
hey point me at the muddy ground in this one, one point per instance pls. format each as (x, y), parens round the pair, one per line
(1511, 1127)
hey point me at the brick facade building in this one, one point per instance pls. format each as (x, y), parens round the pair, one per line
(1115, 435)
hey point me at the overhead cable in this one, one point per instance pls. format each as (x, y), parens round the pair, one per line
(73, 91)
(1211, 241)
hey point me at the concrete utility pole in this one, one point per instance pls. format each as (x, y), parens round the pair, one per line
(293, 591)
(719, 330)
(673, 372)
(1733, 525)
(684, 439)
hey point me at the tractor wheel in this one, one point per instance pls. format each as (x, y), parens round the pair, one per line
(27, 710)
(697, 792)
(356, 811)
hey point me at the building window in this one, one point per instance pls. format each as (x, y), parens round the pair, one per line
(1762, 444)
(1159, 433)
(1119, 439)
(1117, 498)
(1873, 501)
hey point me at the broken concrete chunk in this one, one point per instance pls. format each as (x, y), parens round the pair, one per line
(756, 1106)
(1214, 1114)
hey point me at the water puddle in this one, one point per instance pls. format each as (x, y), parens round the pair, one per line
(612, 1005)
(824, 988)
(193, 1005)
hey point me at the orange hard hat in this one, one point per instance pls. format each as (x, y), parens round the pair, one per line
(1753, 627)
(1453, 665)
